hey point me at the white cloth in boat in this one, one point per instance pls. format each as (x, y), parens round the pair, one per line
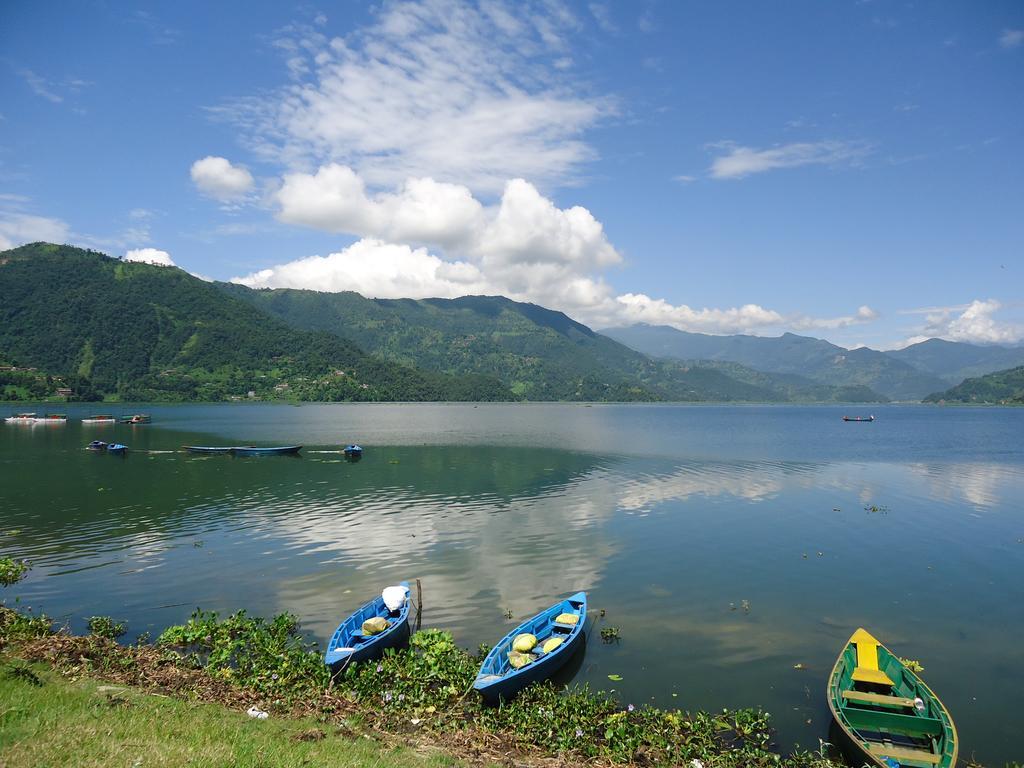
(394, 597)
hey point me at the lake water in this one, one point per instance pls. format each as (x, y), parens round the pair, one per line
(727, 543)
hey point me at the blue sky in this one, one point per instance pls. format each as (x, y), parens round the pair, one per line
(848, 170)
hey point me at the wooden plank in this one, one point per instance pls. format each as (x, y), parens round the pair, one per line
(902, 753)
(887, 721)
(878, 698)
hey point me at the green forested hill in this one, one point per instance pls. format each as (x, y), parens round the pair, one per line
(144, 332)
(814, 359)
(541, 354)
(999, 387)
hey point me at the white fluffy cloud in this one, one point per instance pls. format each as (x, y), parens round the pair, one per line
(744, 161)
(523, 247)
(17, 228)
(439, 89)
(427, 136)
(219, 179)
(150, 256)
(972, 322)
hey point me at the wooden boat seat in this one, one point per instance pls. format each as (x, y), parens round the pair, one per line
(902, 753)
(878, 698)
(867, 670)
(884, 721)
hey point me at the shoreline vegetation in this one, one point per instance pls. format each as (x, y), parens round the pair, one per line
(183, 695)
(419, 698)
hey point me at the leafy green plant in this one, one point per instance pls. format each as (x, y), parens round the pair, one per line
(12, 571)
(104, 626)
(266, 656)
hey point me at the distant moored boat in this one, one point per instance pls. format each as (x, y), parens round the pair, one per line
(858, 418)
(244, 450)
(283, 450)
(138, 418)
(21, 418)
(99, 419)
(52, 418)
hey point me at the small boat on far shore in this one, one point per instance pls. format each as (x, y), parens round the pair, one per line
(99, 419)
(244, 450)
(21, 418)
(858, 418)
(138, 418)
(52, 418)
(282, 450)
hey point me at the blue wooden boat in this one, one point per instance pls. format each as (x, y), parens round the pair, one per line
(283, 450)
(352, 451)
(96, 445)
(349, 645)
(497, 679)
(117, 448)
(208, 448)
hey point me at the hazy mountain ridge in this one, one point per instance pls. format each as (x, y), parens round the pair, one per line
(907, 374)
(955, 361)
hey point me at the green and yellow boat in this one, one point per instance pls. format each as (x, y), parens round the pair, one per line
(890, 717)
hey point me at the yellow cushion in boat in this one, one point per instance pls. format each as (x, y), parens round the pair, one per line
(551, 643)
(524, 643)
(375, 626)
(867, 670)
(567, 618)
(519, 660)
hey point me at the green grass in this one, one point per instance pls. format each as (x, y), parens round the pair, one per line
(46, 719)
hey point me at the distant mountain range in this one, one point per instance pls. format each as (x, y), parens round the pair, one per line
(1005, 387)
(906, 374)
(538, 353)
(107, 328)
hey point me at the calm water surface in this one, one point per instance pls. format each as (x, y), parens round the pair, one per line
(728, 544)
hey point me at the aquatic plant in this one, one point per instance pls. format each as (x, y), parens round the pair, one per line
(12, 571)
(104, 626)
(266, 656)
(912, 664)
(610, 634)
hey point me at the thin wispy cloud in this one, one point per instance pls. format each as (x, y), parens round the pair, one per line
(41, 86)
(602, 14)
(429, 137)
(454, 92)
(740, 161)
(1011, 38)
